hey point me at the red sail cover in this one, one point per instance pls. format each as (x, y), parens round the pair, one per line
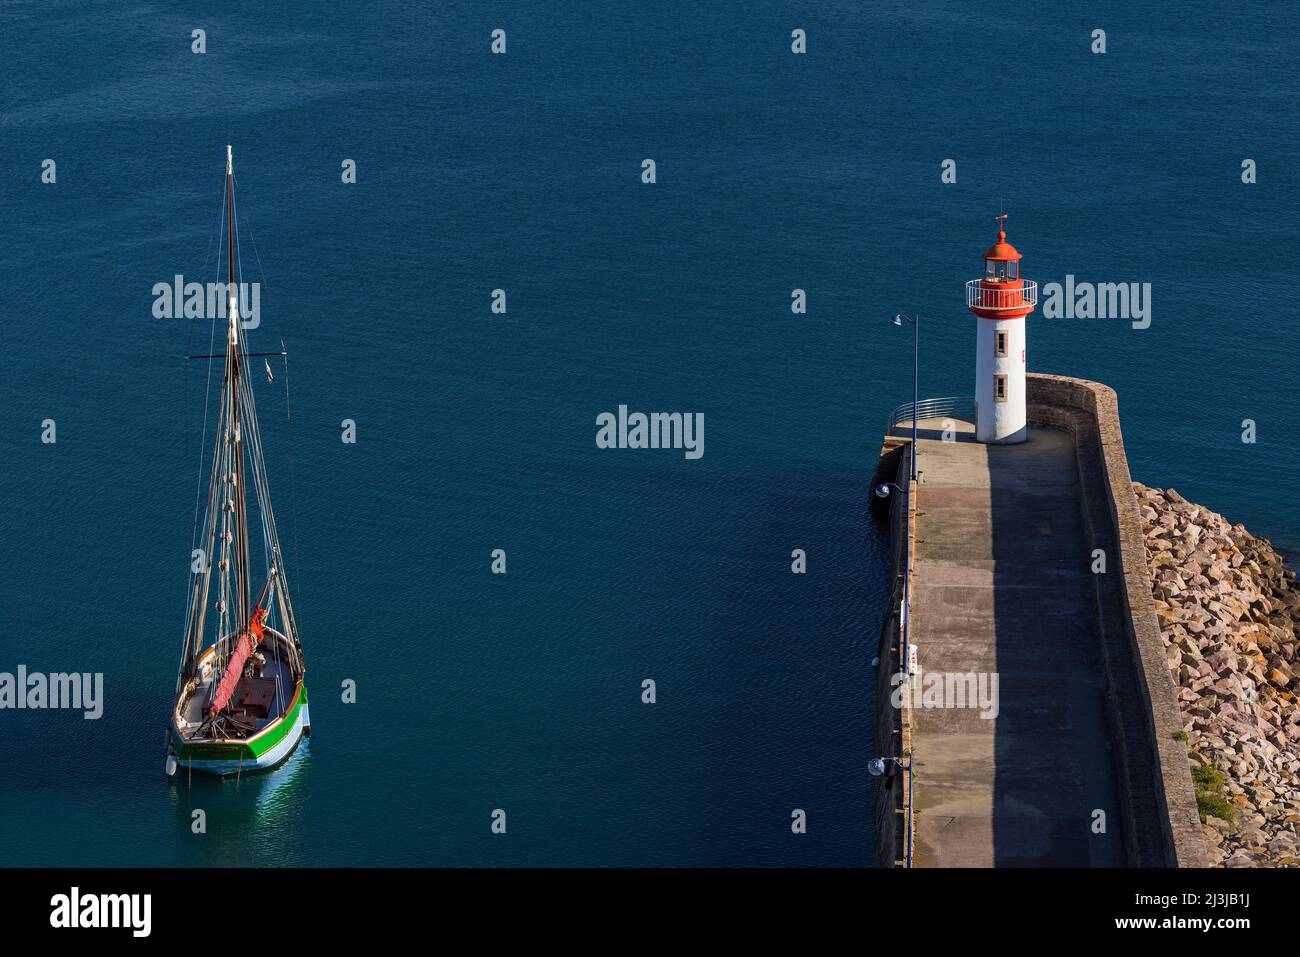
(243, 648)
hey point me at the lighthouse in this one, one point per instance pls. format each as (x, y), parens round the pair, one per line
(1001, 300)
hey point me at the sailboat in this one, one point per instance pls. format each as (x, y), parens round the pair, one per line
(241, 700)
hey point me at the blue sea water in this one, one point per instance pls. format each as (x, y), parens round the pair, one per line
(476, 431)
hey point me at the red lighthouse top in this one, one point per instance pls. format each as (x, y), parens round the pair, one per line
(1001, 293)
(1002, 251)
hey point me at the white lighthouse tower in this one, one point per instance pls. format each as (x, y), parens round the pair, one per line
(1001, 300)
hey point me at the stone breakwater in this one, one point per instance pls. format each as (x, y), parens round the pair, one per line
(1229, 612)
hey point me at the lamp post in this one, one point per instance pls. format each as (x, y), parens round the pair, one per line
(915, 321)
(877, 765)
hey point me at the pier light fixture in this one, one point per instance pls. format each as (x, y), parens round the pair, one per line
(878, 766)
(884, 489)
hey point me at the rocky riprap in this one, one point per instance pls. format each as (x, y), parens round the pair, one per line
(1229, 612)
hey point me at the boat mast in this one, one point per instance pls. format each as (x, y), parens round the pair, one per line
(225, 532)
(232, 394)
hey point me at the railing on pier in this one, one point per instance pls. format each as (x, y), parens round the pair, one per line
(949, 407)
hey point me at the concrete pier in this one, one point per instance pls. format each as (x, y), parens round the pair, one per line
(1002, 586)
(1079, 766)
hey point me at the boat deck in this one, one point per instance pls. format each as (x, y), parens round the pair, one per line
(276, 670)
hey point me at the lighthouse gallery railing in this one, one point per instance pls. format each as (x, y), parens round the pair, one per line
(986, 297)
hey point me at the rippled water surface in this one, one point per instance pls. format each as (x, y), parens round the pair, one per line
(476, 431)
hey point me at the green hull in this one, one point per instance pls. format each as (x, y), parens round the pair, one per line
(250, 752)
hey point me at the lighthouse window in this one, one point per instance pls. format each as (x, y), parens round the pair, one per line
(1000, 388)
(1000, 344)
(1013, 270)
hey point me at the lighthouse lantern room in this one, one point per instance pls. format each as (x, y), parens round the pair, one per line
(1001, 300)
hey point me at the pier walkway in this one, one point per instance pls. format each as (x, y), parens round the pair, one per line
(1002, 584)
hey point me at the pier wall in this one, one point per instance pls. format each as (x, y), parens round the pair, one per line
(1161, 824)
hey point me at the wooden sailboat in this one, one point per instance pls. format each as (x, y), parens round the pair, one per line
(241, 701)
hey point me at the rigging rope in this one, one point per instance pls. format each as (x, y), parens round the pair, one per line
(276, 556)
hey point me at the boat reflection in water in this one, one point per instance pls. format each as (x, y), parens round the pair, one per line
(248, 819)
(278, 794)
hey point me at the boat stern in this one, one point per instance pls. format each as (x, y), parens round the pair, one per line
(262, 751)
